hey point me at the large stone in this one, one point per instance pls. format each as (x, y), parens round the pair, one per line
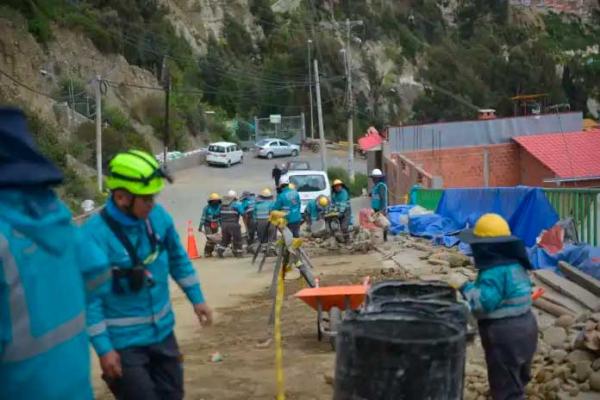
(580, 355)
(555, 336)
(584, 387)
(583, 370)
(595, 381)
(596, 364)
(558, 355)
(565, 321)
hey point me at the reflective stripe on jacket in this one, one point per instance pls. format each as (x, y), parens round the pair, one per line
(341, 199)
(120, 320)
(262, 208)
(379, 197)
(500, 292)
(211, 213)
(230, 213)
(47, 271)
(289, 200)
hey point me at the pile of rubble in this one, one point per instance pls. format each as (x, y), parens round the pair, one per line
(568, 359)
(361, 242)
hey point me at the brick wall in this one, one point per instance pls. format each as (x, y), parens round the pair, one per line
(464, 167)
(401, 174)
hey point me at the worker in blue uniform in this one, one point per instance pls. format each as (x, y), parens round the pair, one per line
(500, 298)
(316, 208)
(340, 199)
(47, 273)
(288, 200)
(248, 200)
(131, 327)
(379, 195)
(267, 233)
(211, 221)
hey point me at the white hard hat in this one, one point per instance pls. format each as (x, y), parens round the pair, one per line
(284, 180)
(232, 194)
(376, 172)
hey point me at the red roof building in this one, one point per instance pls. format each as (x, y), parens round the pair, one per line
(569, 159)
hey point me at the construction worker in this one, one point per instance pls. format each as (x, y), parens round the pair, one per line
(264, 203)
(211, 221)
(500, 298)
(315, 209)
(46, 273)
(288, 200)
(131, 327)
(231, 211)
(379, 195)
(248, 200)
(340, 199)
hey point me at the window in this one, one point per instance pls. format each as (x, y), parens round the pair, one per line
(284, 143)
(273, 144)
(308, 183)
(216, 149)
(262, 142)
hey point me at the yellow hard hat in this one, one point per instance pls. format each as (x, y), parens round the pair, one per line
(491, 225)
(266, 192)
(337, 182)
(292, 186)
(323, 201)
(214, 197)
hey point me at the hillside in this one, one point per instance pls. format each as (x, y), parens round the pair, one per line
(413, 60)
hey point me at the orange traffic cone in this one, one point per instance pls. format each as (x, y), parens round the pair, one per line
(192, 249)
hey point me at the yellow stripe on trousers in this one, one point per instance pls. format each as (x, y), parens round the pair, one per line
(278, 341)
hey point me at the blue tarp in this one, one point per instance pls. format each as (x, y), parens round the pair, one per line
(582, 256)
(526, 209)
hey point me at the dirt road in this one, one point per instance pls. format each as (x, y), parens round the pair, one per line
(239, 295)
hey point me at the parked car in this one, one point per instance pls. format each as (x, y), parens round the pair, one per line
(310, 185)
(297, 165)
(270, 148)
(224, 153)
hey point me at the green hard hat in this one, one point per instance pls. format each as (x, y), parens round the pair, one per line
(137, 172)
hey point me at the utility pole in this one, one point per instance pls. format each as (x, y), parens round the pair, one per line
(99, 132)
(350, 98)
(320, 115)
(166, 78)
(310, 91)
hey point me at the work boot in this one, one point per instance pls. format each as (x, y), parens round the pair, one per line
(220, 252)
(208, 255)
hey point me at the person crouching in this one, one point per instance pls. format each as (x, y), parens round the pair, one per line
(231, 210)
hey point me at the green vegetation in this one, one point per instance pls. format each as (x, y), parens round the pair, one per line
(356, 187)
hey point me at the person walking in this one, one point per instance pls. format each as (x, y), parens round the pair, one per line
(211, 221)
(231, 211)
(48, 273)
(340, 199)
(500, 298)
(288, 200)
(131, 327)
(276, 174)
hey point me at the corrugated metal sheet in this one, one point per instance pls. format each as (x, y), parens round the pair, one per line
(479, 133)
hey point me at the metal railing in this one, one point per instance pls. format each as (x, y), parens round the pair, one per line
(582, 205)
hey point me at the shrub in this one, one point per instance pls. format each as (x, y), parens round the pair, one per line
(116, 119)
(360, 180)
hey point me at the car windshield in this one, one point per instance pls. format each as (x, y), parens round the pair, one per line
(263, 142)
(308, 183)
(216, 149)
(297, 165)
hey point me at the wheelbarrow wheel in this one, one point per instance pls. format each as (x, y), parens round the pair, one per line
(335, 320)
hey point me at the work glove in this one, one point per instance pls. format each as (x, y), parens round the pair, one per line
(457, 281)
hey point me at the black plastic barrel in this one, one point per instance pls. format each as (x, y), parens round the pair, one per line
(412, 290)
(382, 356)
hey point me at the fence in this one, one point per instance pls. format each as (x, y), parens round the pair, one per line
(291, 128)
(581, 205)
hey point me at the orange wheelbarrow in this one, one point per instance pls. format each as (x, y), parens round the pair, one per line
(330, 303)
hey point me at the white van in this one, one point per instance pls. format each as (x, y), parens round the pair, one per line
(224, 153)
(310, 185)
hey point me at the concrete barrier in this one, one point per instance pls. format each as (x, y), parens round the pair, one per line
(189, 161)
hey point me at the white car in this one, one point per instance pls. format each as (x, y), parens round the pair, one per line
(224, 153)
(270, 148)
(310, 185)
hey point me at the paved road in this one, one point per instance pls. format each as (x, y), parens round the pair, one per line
(187, 196)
